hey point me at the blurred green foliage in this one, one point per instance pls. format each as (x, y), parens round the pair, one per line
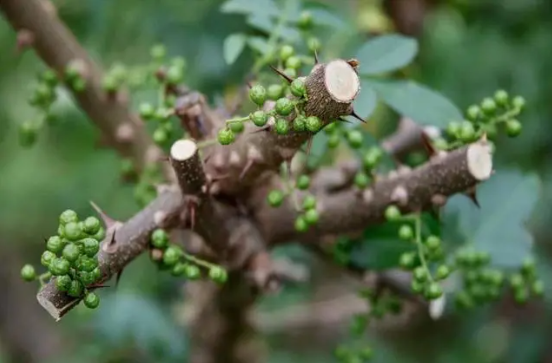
(468, 49)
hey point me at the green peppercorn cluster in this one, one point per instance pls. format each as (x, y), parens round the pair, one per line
(42, 99)
(71, 257)
(171, 257)
(490, 116)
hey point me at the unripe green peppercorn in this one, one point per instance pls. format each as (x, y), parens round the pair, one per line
(72, 231)
(434, 291)
(372, 157)
(28, 272)
(59, 266)
(313, 124)
(392, 213)
(466, 132)
(258, 94)
(420, 274)
(537, 288)
(158, 52)
(416, 286)
(518, 102)
(259, 118)
(473, 112)
(284, 106)
(303, 182)
(314, 44)
(362, 180)
(298, 88)
(275, 91)
(354, 138)
(27, 133)
(160, 136)
(488, 105)
(68, 216)
(443, 272)
(305, 20)
(46, 258)
(159, 238)
(311, 216)
(299, 123)
(501, 97)
(87, 278)
(286, 51)
(91, 300)
(516, 281)
(281, 126)
(433, 242)
(175, 75)
(226, 137)
(309, 202)
(100, 235)
(171, 256)
(54, 244)
(63, 282)
(87, 264)
(333, 141)
(293, 62)
(453, 129)
(192, 272)
(179, 269)
(76, 289)
(513, 128)
(109, 83)
(275, 198)
(71, 252)
(406, 232)
(92, 225)
(218, 274)
(91, 246)
(528, 267)
(407, 260)
(301, 224)
(237, 127)
(290, 72)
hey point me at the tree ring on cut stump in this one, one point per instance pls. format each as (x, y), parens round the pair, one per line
(480, 160)
(342, 81)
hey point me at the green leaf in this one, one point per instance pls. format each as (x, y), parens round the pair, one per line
(507, 200)
(366, 101)
(386, 53)
(233, 46)
(258, 7)
(259, 44)
(416, 101)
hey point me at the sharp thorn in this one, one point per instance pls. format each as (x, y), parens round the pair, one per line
(472, 194)
(191, 211)
(353, 62)
(316, 60)
(282, 74)
(246, 168)
(426, 141)
(108, 221)
(309, 146)
(343, 120)
(262, 129)
(118, 278)
(355, 115)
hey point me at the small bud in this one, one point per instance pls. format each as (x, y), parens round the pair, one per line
(54, 244)
(293, 62)
(71, 252)
(226, 137)
(434, 291)
(433, 242)
(466, 132)
(109, 83)
(392, 213)
(282, 126)
(171, 256)
(406, 232)
(453, 129)
(333, 141)
(311, 216)
(473, 112)
(420, 274)
(76, 289)
(372, 157)
(354, 138)
(313, 124)
(513, 128)
(309, 202)
(303, 182)
(175, 75)
(91, 300)
(28, 273)
(258, 94)
(301, 224)
(275, 91)
(159, 238)
(518, 102)
(63, 282)
(218, 274)
(314, 44)
(407, 260)
(68, 216)
(46, 258)
(146, 110)
(443, 272)
(305, 20)
(488, 105)
(192, 272)
(298, 88)
(290, 72)
(275, 198)
(59, 266)
(237, 127)
(284, 106)
(501, 97)
(92, 225)
(300, 123)
(362, 180)
(286, 51)
(259, 118)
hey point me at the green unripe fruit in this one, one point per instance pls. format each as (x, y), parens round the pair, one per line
(49, 77)
(407, 260)
(54, 244)
(517, 281)
(87, 264)
(314, 44)
(392, 213)
(71, 252)
(528, 267)
(109, 83)
(463, 300)
(68, 216)
(159, 239)
(63, 282)
(226, 137)
(354, 138)
(473, 113)
(303, 182)
(92, 225)
(100, 235)
(160, 136)
(259, 118)
(513, 128)
(179, 269)
(309, 202)
(433, 242)
(440, 144)
(76, 289)
(171, 256)
(488, 105)
(192, 272)
(73, 231)
(301, 224)
(290, 72)
(78, 84)
(298, 88)
(275, 91)
(537, 288)
(300, 123)
(87, 278)
(420, 274)
(333, 141)
(518, 102)
(313, 124)
(293, 62)
(275, 198)
(28, 272)
(521, 296)
(27, 133)
(96, 273)
(372, 157)
(311, 216)
(366, 353)
(46, 258)
(501, 97)
(158, 52)
(284, 106)
(406, 232)
(258, 94)
(175, 75)
(161, 114)
(417, 287)
(218, 274)
(91, 300)
(466, 132)
(443, 272)
(237, 127)
(59, 266)
(90, 246)
(453, 129)
(286, 51)
(362, 180)
(281, 126)
(434, 291)
(305, 20)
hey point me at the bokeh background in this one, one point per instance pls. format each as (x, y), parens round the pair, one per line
(468, 49)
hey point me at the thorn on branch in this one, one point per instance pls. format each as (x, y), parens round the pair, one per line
(282, 74)
(355, 115)
(107, 220)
